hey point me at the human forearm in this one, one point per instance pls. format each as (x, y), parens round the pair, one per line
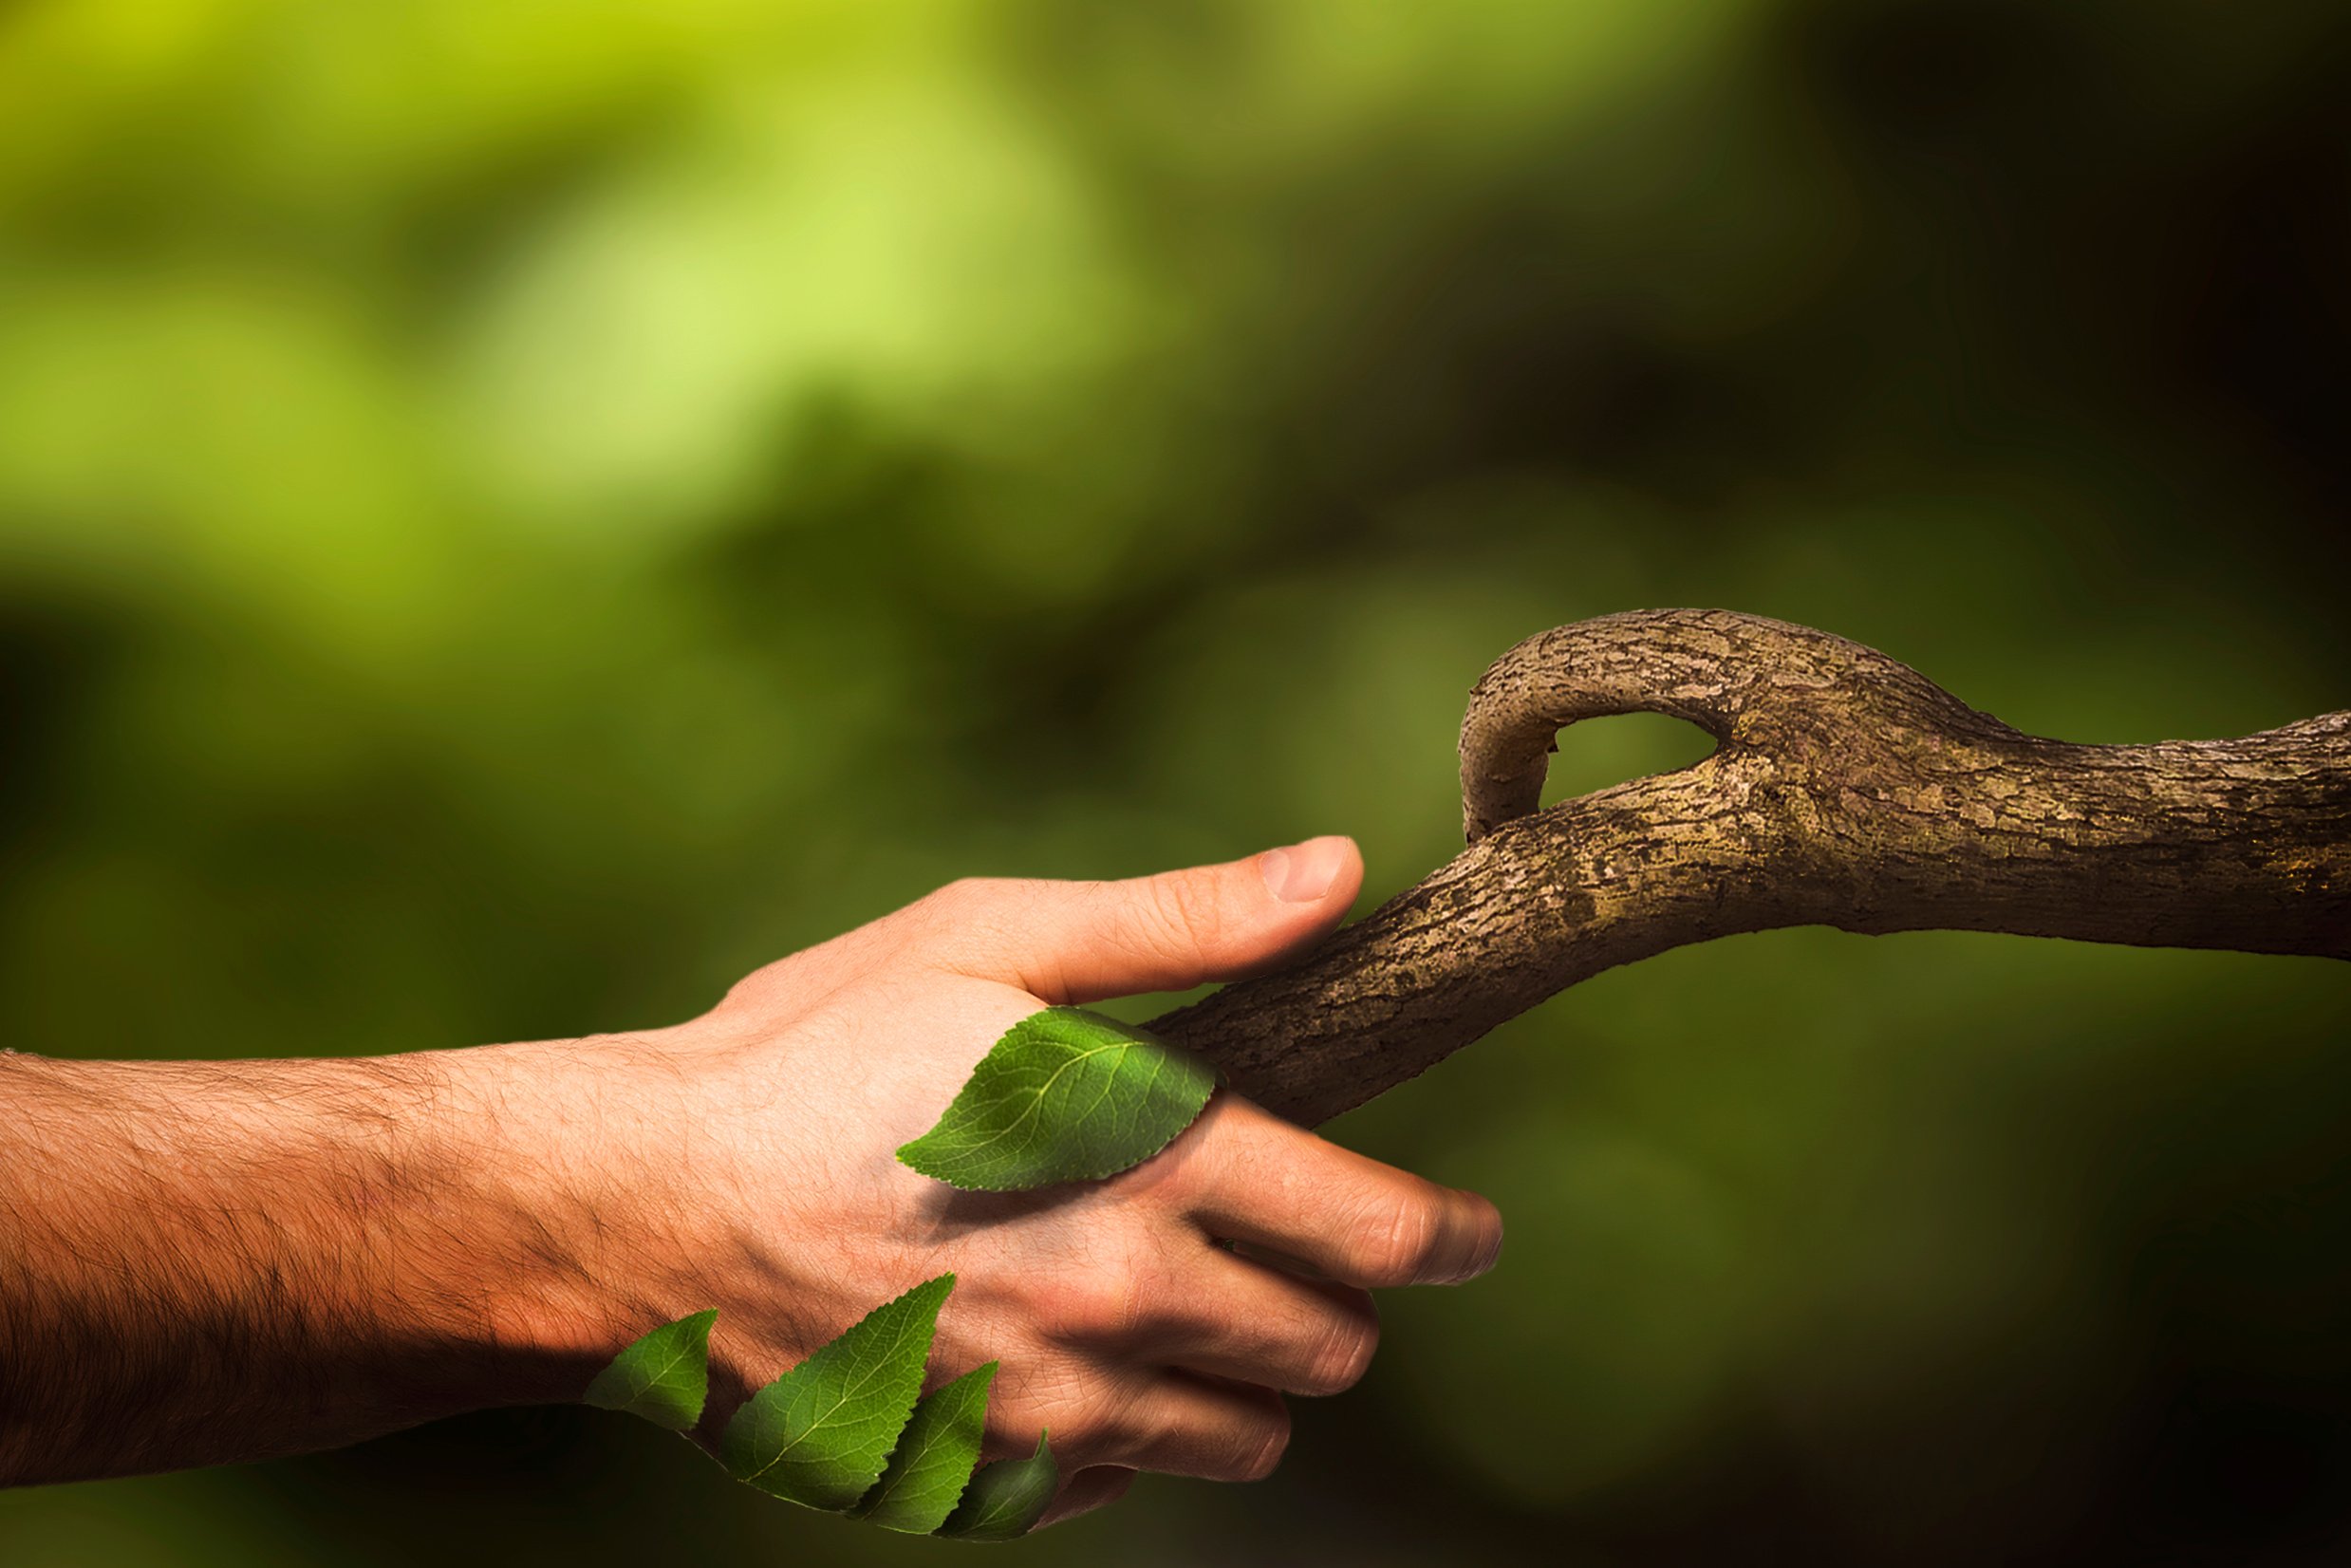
(211, 1261)
(202, 1262)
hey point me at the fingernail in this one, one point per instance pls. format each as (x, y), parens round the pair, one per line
(1303, 873)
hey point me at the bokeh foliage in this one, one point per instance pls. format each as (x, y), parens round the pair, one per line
(511, 515)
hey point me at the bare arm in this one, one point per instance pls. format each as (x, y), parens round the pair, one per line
(204, 1263)
(210, 1261)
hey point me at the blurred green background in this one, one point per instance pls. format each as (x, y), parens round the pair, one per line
(513, 514)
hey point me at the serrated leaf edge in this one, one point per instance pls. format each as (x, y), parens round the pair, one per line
(930, 1328)
(1044, 1451)
(700, 1345)
(912, 1155)
(871, 1503)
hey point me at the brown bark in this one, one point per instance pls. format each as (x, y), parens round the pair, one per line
(1845, 789)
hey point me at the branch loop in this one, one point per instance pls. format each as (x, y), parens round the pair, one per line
(1749, 683)
(1845, 789)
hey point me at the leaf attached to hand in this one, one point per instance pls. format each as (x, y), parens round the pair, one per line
(934, 1458)
(1066, 1095)
(663, 1377)
(819, 1434)
(1006, 1499)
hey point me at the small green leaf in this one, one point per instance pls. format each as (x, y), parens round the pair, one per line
(663, 1377)
(1066, 1095)
(934, 1458)
(819, 1433)
(1006, 1499)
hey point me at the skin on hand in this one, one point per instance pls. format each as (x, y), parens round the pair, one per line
(207, 1261)
(746, 1161)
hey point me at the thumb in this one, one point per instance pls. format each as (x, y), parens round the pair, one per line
(1077, 941)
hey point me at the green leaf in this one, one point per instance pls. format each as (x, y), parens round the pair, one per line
(934, 1458)
(1006, 1499)
(663, 1377)
(819, 1433)
(1066, 1095)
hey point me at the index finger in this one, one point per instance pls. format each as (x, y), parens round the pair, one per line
(1260, 1180)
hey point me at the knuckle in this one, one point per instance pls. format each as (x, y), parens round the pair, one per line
(1188, 1169)
(935, 918)
(976, 923)
(1402, 1239)
(1094, 1305)
(1078, 1406)
(947, 895)
(959, 900)
(1184, 911)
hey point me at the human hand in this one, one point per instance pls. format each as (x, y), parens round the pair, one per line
(746, 1160)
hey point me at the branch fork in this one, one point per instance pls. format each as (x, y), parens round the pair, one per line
(1845, 789)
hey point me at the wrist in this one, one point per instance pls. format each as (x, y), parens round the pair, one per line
(447, 1278)
(552, 1272)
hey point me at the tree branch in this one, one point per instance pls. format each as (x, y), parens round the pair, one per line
(1845, 789)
